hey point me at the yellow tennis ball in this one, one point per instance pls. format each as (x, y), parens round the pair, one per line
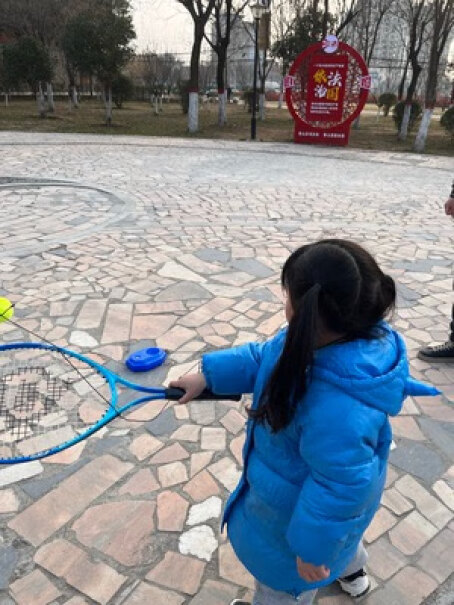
(6, 309)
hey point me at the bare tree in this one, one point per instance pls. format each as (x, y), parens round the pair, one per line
(417, 16)
(225, 17)
(200, 11)
(207, 74)
(366, 24)
(159, 73)
(442, 25)
(345, 12)
(342, 12)
(337, 15)
(265, 63)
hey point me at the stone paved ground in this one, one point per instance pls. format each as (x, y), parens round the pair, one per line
(179, 243)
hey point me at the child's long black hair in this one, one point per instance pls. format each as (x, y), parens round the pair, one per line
(334, 285)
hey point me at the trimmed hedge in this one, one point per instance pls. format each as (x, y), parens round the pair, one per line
(447, 120)
(387, 100)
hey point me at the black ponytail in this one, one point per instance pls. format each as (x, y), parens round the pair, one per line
(333, 285)
(289, 378)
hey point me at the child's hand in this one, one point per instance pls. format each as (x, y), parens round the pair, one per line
(310, 572)
(193, 384)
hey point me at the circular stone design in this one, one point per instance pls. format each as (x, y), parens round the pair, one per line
(40, 213)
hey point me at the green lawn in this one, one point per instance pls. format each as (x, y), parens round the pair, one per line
(139, 119)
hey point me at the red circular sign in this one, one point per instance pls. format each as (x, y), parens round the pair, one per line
(326, 90)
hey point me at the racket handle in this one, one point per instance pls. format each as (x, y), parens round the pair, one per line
(175, 394)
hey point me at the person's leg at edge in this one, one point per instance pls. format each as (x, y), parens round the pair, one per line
(358, 561)
(354, 580)
(443, 353)
(267, 596)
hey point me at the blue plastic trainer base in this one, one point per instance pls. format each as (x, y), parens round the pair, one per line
(145, 359)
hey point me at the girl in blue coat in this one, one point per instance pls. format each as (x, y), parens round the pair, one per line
(318, 434)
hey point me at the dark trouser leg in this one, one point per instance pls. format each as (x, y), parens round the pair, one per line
(443, 353)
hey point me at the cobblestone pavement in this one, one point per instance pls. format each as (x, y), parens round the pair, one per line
(108, 244)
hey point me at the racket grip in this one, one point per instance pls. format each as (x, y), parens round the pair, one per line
(175, 394)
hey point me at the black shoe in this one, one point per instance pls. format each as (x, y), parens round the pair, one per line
(240, 602)
(439, 354)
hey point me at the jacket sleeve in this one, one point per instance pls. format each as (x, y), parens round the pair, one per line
(233, 370)
(345, 479)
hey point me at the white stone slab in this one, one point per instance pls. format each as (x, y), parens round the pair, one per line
(19, 472)
(198, 541)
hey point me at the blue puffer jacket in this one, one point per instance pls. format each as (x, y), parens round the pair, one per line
(312, 489)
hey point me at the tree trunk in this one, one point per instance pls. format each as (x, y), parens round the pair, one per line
(416, 70)
(441, 28)
(108, 103)
(41, 102)
(72, 90)
(220, 79)
(400, 92)
(222, 107)
(156, 105)
(405, 122)
(193, 112)
(6, 99)
(314, 10)
(72, 97)
(325, 19)
(262, 106)
(420, 141)
(50, 97)
(282, 91)
(262, 73)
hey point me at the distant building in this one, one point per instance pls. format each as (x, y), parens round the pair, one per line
(388, 58)
(240, 55)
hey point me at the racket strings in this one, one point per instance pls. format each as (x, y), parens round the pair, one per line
(40, 407)
(21, 407)
(20, 429)
(66, 357)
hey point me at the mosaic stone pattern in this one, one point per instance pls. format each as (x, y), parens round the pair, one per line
(109, 245)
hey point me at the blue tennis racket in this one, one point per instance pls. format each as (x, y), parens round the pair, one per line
(52, 398)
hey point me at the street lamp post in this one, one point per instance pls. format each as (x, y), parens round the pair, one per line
(258, 9)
